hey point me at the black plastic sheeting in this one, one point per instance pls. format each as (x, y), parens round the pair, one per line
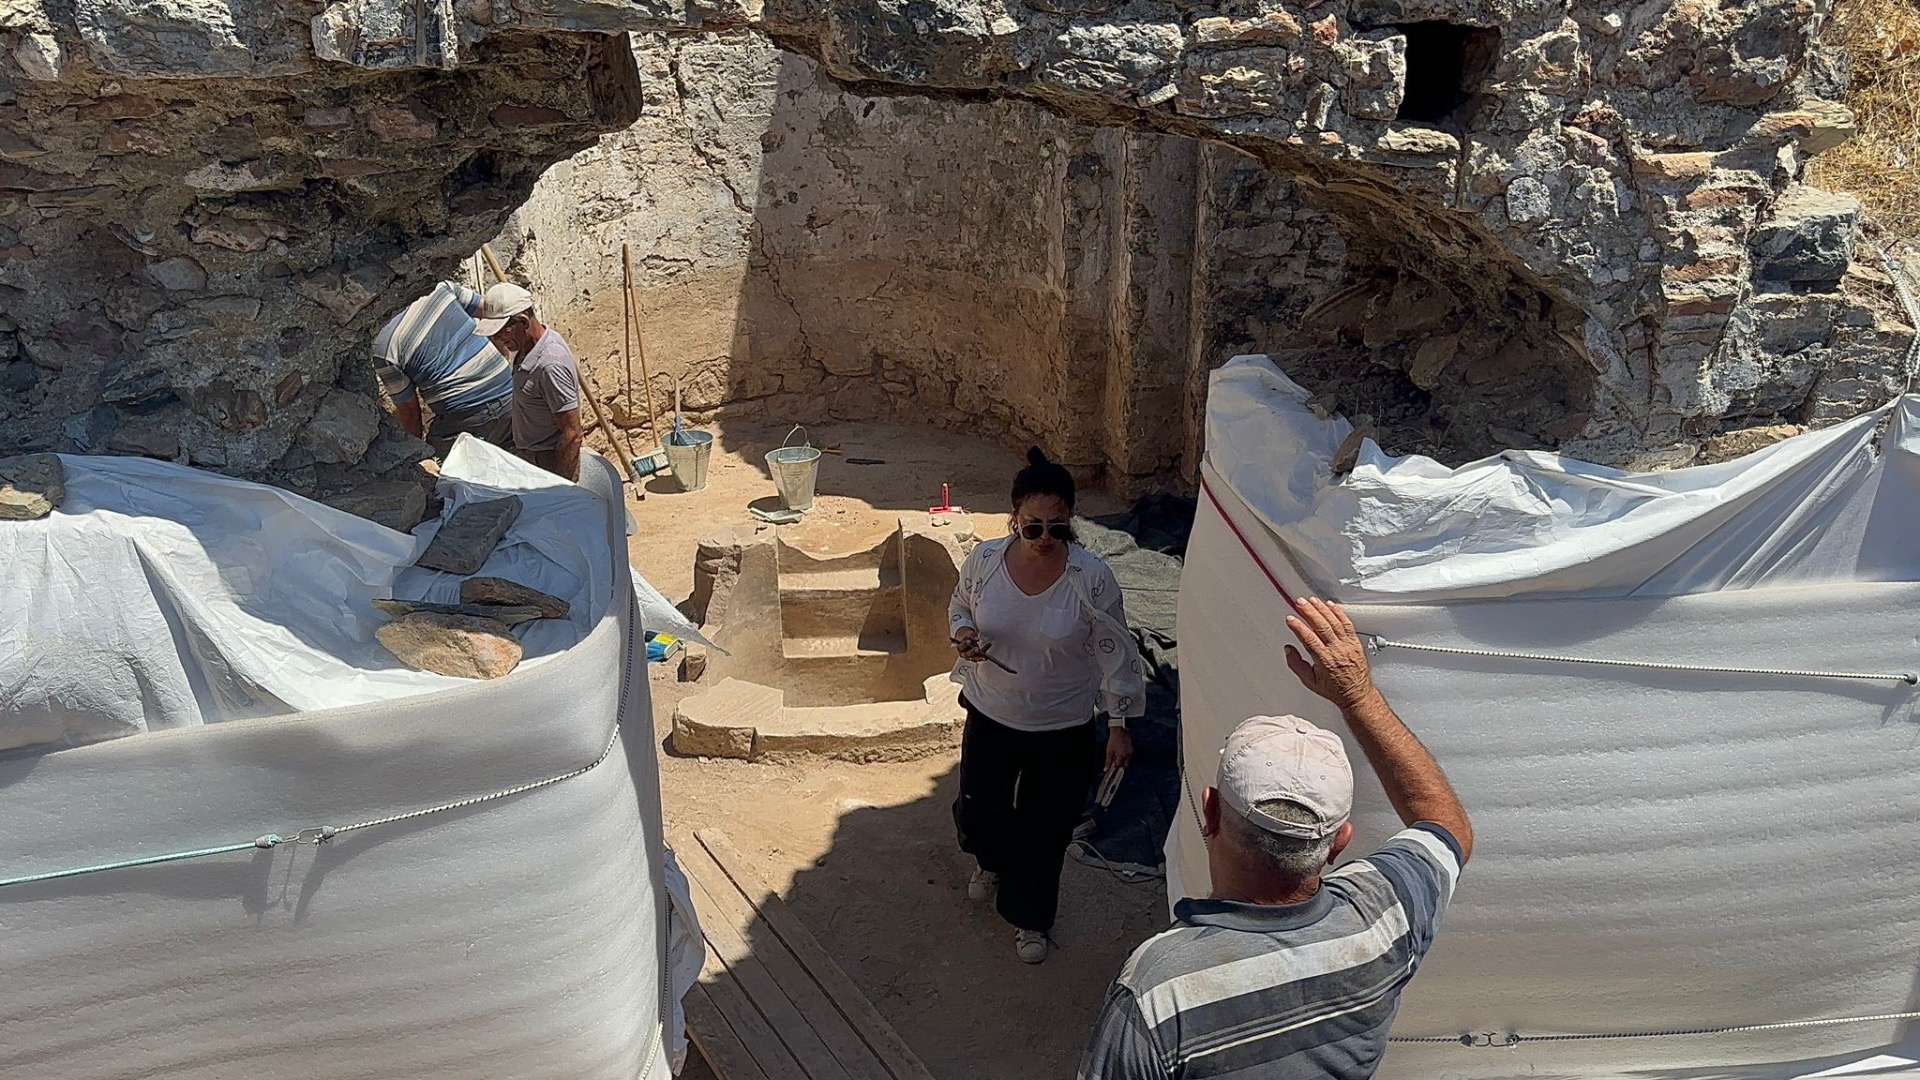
(1146, 547)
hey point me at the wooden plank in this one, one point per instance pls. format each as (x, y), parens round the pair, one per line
(760, 986)
(715, 1039)
(737, 910)
(886, 1043)
(738, 1015)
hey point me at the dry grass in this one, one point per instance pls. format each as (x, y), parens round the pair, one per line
(1881, 166)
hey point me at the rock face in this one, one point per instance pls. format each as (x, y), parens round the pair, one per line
(457, 645)
(1488, 224)
(1484, 222)
(204, 217)
(31, 486)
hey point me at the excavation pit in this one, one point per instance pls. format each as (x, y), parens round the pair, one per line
(839, 654)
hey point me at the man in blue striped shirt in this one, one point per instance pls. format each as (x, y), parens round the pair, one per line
(428, 353)
(1286, 972)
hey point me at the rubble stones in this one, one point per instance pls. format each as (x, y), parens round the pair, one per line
(493, 590)
(31, 486)
(460, 646)
(468, 536)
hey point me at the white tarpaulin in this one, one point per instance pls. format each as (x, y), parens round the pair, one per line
(1659, 849)
(488, 898)
(161, 596)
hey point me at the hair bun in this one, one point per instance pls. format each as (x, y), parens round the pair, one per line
(1036, 456)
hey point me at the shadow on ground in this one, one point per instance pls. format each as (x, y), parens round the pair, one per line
(888, 902)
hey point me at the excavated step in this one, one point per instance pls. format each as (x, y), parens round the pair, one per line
(795, 562)
(739, 719)
(866, 612)
(844, 647)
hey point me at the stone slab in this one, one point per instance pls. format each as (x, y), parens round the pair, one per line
(511, 615)
(456, 645)
(469, 536)
(500, 591)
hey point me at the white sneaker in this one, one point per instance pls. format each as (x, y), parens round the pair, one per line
(981, 884)
(1031, 945)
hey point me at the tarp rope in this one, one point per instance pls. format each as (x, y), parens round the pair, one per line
(1500, 1039)
(1898, 274)
(321, 834)
(1510, 1039)
(1907, 677)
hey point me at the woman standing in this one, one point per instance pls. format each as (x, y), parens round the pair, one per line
(1043, 643)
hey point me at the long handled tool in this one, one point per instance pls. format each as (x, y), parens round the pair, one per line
(655, 459)
(640, 343)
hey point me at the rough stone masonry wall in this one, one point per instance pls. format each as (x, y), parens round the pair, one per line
(203, 222)
(1581, 224)
(1477, 225)
(1600, 203)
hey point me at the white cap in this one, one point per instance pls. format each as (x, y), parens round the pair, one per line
(1285, 757)
(502, 302)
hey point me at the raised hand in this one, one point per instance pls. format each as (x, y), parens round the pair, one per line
(1338, 669)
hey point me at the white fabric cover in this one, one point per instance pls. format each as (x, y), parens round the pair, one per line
(520, 938)
(161, 596)
(1656, 850)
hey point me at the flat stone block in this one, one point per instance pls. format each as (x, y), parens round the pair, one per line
(469, 536)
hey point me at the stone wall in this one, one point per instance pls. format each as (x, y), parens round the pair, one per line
(1589, 233)
(202, 224)
(1479, 223)
(806, 253)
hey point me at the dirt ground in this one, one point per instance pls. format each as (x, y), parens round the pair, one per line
(865, 853)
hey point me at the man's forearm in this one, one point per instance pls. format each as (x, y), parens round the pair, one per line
(408, 413)
(569, 455)
(1415, 783)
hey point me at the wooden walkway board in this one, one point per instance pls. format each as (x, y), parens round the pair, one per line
(771, 1004)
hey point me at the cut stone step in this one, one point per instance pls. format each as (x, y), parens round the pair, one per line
(855, 579)
(870, 614)
(739, 719)
(794, 561)
(843, 647)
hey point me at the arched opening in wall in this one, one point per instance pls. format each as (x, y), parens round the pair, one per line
(1447, 63)
(810, 254)
(1391, 311)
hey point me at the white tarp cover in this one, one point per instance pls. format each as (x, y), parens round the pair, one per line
(1656, 850)
(161, 596)
(522, 937)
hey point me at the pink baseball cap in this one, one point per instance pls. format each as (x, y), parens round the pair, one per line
(1285, 757)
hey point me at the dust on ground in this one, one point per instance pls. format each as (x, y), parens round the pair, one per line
(865, 854)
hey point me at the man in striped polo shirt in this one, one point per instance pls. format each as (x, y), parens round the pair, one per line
(428, 353)
(1285, 972)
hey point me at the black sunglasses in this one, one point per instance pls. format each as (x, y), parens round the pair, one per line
(1034, 530)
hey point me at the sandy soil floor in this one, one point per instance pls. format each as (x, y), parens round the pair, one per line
(865, 853)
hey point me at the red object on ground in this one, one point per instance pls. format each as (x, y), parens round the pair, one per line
(946, 503)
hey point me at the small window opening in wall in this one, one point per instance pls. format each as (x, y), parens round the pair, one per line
(1446, 63)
